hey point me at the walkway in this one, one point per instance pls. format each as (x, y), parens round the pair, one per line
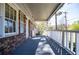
(34, 46)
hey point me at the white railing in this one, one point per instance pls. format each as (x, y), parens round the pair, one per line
(68, 39)
(57, 35)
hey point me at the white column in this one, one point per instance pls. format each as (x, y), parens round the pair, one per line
(27, 29)
(33, 32)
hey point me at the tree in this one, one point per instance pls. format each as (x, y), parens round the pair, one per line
(41, 26)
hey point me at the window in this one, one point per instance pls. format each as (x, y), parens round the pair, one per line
(10, 19)
(11, 12)
(14, 16)
(21, 22)
(7, 10)
(6, 26)
(21, 27)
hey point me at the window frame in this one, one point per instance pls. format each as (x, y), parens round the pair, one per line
(12, 20)
(21, 22)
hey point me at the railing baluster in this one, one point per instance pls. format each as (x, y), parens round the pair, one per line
(67, 42)
(63, 42)
(77, 43)
(62, 38)
(71, 41)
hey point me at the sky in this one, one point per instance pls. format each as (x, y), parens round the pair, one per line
(72, 10)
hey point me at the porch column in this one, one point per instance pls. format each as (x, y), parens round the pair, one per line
(27, 28)
(55, 21)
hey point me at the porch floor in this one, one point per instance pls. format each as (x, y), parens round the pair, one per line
(34, 46)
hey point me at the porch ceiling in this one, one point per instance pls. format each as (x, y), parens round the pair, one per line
(40, 11)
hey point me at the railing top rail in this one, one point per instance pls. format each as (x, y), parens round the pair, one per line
(76, 31)
(63, 47)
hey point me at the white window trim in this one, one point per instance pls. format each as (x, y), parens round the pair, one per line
(16, 24)
(21, 23)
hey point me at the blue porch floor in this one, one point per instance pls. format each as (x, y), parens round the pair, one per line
(30, 47)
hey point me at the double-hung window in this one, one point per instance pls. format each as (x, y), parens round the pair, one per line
(21, 22)
(10, 19)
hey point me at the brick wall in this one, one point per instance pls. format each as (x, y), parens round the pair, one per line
(7, 44)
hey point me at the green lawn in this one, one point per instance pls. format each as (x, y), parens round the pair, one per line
(73, 27)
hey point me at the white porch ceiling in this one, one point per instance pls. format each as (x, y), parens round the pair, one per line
(39, 11)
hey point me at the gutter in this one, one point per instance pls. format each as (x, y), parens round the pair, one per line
(59, 5)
